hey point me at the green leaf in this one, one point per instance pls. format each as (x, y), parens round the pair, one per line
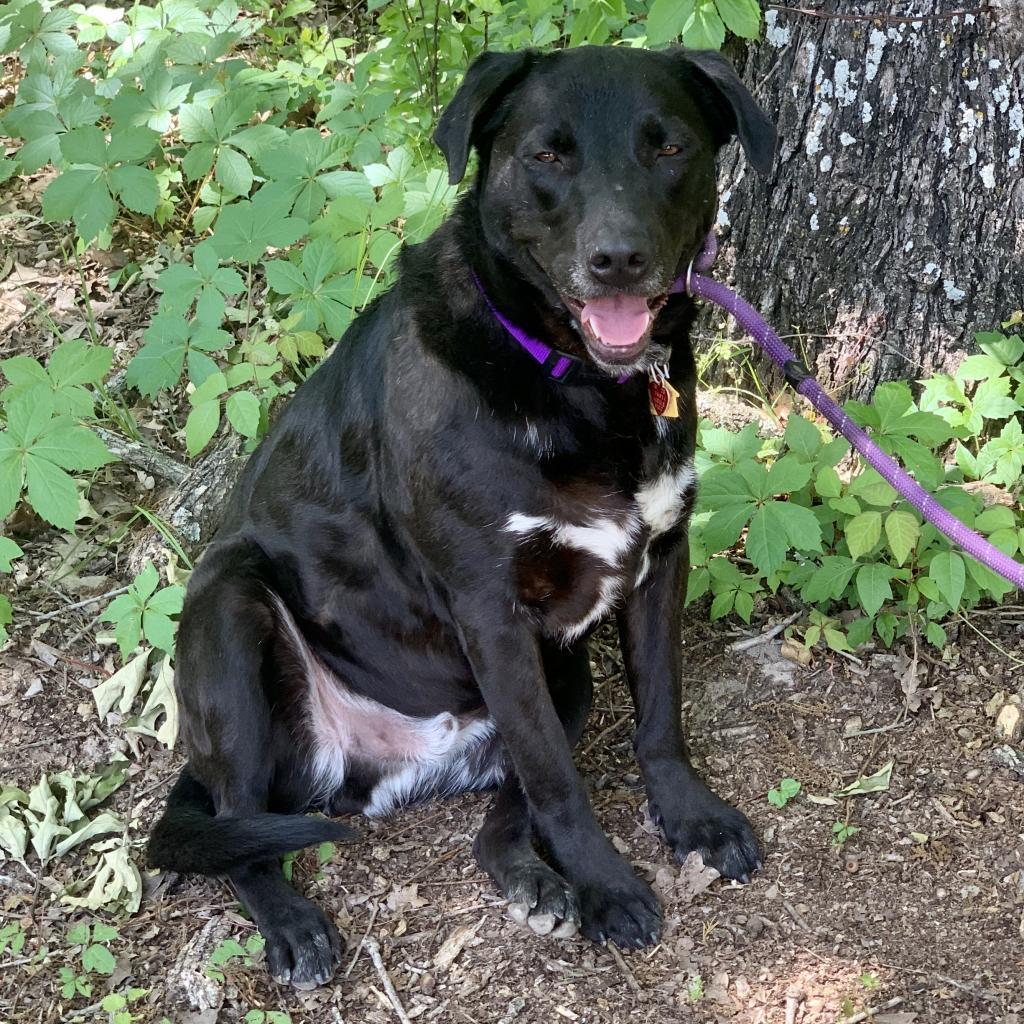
(99, 960)
(1007, 349)
(724, 527)
(787, 475)
(829, 582)
(766, 538)
(158, 629)
(8, 552)
(998, 517)
(136, 188)
(802, 436)
(863, 533)
(78, 935)
(902, 531)
(936, 635)
(103, 932)
(827, 483)
(243, 410)
(704, 29)
(201, 425)
(665, 20)
(873, 586)
(802, 526)
(51, 492)
(233, 171)
(723, 604)
(947, 570)
(741, 17)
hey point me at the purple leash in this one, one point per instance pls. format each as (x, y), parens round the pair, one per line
(799, 376)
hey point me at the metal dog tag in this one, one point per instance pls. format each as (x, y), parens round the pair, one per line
(664, 398)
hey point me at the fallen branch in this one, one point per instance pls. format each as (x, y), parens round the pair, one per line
(872, 1011)
(763, 638)
(143, 456)
(373, 948)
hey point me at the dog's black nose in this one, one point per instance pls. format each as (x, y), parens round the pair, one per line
(618, 265)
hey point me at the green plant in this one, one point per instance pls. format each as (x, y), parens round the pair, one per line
(46, 412)
(786, 790)
(96, 958)
(835, 533)
(230, 953)
(695, 988)
(842, 831)
(8, 552)
(144, 612)
(267, 1017)
(12, 939)
(118, 1004)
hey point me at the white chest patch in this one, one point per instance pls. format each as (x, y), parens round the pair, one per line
(661, 502)
(602, 537)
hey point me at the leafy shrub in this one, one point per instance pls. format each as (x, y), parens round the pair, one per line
(807, 516)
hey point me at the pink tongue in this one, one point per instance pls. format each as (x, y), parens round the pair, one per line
(618, 320)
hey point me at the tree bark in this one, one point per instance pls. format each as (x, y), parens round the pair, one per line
(893, 226)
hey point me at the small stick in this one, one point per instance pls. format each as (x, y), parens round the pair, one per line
(871, 1011)
(795, 914)
(624, 967)
(605, 732)
(763, 638)
(355, 956)
(44, 616)
(373, 948)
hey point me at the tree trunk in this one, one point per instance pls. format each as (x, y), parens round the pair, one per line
(893, 226)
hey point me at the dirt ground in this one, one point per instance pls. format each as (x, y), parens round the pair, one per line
(918, 918)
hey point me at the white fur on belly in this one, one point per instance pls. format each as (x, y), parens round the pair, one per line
(661, 501)
(414, 755)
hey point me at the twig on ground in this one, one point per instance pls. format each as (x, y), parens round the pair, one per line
(763, 638)
(607, 731)
(624, 967)
(796, 915)
(355, 956)
(872, 1010)
(373, 948)
(45, 616)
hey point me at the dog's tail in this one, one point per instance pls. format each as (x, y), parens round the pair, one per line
(188, 837)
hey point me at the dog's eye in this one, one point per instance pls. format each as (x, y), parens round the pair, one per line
(670, 150)
(546, 157)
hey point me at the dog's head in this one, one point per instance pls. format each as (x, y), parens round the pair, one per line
(597, 174)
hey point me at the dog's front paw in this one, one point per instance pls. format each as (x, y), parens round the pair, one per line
(622, 908)
(303, 947)
(542, 900)
(718, 832)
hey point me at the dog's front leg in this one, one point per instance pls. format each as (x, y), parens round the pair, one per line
(690, 815)
(506, 661)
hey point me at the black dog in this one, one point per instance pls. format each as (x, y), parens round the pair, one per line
(396, 607)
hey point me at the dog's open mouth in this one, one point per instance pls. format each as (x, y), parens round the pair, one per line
(616, 327)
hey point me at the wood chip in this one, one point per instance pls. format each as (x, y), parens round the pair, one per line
(455, 943)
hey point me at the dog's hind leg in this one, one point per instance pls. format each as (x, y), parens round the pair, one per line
(228, 681)
(504, 847)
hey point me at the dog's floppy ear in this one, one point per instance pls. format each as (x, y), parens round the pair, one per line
(488, 79)
(739, 112)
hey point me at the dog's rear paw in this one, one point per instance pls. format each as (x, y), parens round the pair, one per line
(542, 900)
(303, 947)
(624, 910)
(718, 832)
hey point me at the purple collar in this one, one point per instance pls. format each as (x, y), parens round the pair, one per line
(559, 366)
